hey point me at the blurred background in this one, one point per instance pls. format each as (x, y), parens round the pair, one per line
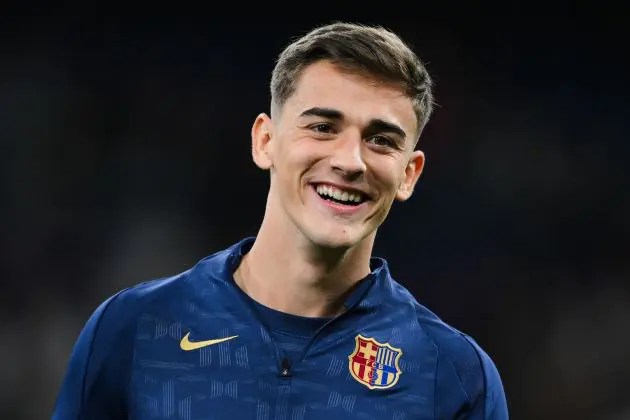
(125, 157)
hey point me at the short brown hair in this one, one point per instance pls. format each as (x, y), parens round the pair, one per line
(370, 50)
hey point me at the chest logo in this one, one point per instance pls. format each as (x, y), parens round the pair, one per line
(188, 345)
(374, 364)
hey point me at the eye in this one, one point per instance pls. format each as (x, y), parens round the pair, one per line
(381, 141)
(322, 128)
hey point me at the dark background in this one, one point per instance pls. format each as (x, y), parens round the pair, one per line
(125, 157)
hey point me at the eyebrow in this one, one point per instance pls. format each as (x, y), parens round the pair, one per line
(375, 125)
(323, 112)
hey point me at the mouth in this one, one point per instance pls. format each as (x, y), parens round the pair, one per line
(340, 196)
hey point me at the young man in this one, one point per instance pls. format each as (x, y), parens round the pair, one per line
(300, 322)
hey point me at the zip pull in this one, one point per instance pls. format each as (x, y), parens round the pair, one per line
(285, 367)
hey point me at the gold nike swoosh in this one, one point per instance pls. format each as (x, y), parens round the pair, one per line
(188, 345)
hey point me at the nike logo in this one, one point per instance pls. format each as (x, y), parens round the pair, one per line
(188, 345)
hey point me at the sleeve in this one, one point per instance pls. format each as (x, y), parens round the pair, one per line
(495, 406)
(96, 380)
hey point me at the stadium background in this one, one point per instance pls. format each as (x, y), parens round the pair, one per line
(125, 157)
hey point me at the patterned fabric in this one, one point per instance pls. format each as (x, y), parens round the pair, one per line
(193, 347)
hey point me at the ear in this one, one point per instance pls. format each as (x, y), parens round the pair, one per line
(414, 168)
(262, 131)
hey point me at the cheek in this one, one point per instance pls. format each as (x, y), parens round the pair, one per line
(293, 160)
(388, 174)
(303, 154)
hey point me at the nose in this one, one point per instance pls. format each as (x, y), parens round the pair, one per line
(347, 157)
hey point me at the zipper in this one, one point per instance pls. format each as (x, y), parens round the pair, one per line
(282, 362)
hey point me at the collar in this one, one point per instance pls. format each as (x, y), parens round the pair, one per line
(379, 271)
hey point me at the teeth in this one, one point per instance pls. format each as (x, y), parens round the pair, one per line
(338, 194)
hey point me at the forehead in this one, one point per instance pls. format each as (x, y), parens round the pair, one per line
(357, 96)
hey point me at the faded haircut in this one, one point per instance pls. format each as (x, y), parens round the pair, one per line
(370, 50)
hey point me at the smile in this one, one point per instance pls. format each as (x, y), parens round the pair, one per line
(340, 196)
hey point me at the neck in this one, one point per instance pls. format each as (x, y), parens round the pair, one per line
(296, 277)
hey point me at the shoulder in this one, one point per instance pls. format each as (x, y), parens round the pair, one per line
(455, 348)
(452, 345)
(460, 359)
(103, 351)
(123, 308)
(97, 378)
(164, 290)
(142, 294)
(118, 313)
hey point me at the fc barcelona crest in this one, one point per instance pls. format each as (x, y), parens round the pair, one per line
(374, 364)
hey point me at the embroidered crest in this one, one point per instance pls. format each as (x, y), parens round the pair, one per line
(374, 364)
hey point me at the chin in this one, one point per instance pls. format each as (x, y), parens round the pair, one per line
(335, 238)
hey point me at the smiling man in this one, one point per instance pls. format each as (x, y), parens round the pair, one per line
(301, 321)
